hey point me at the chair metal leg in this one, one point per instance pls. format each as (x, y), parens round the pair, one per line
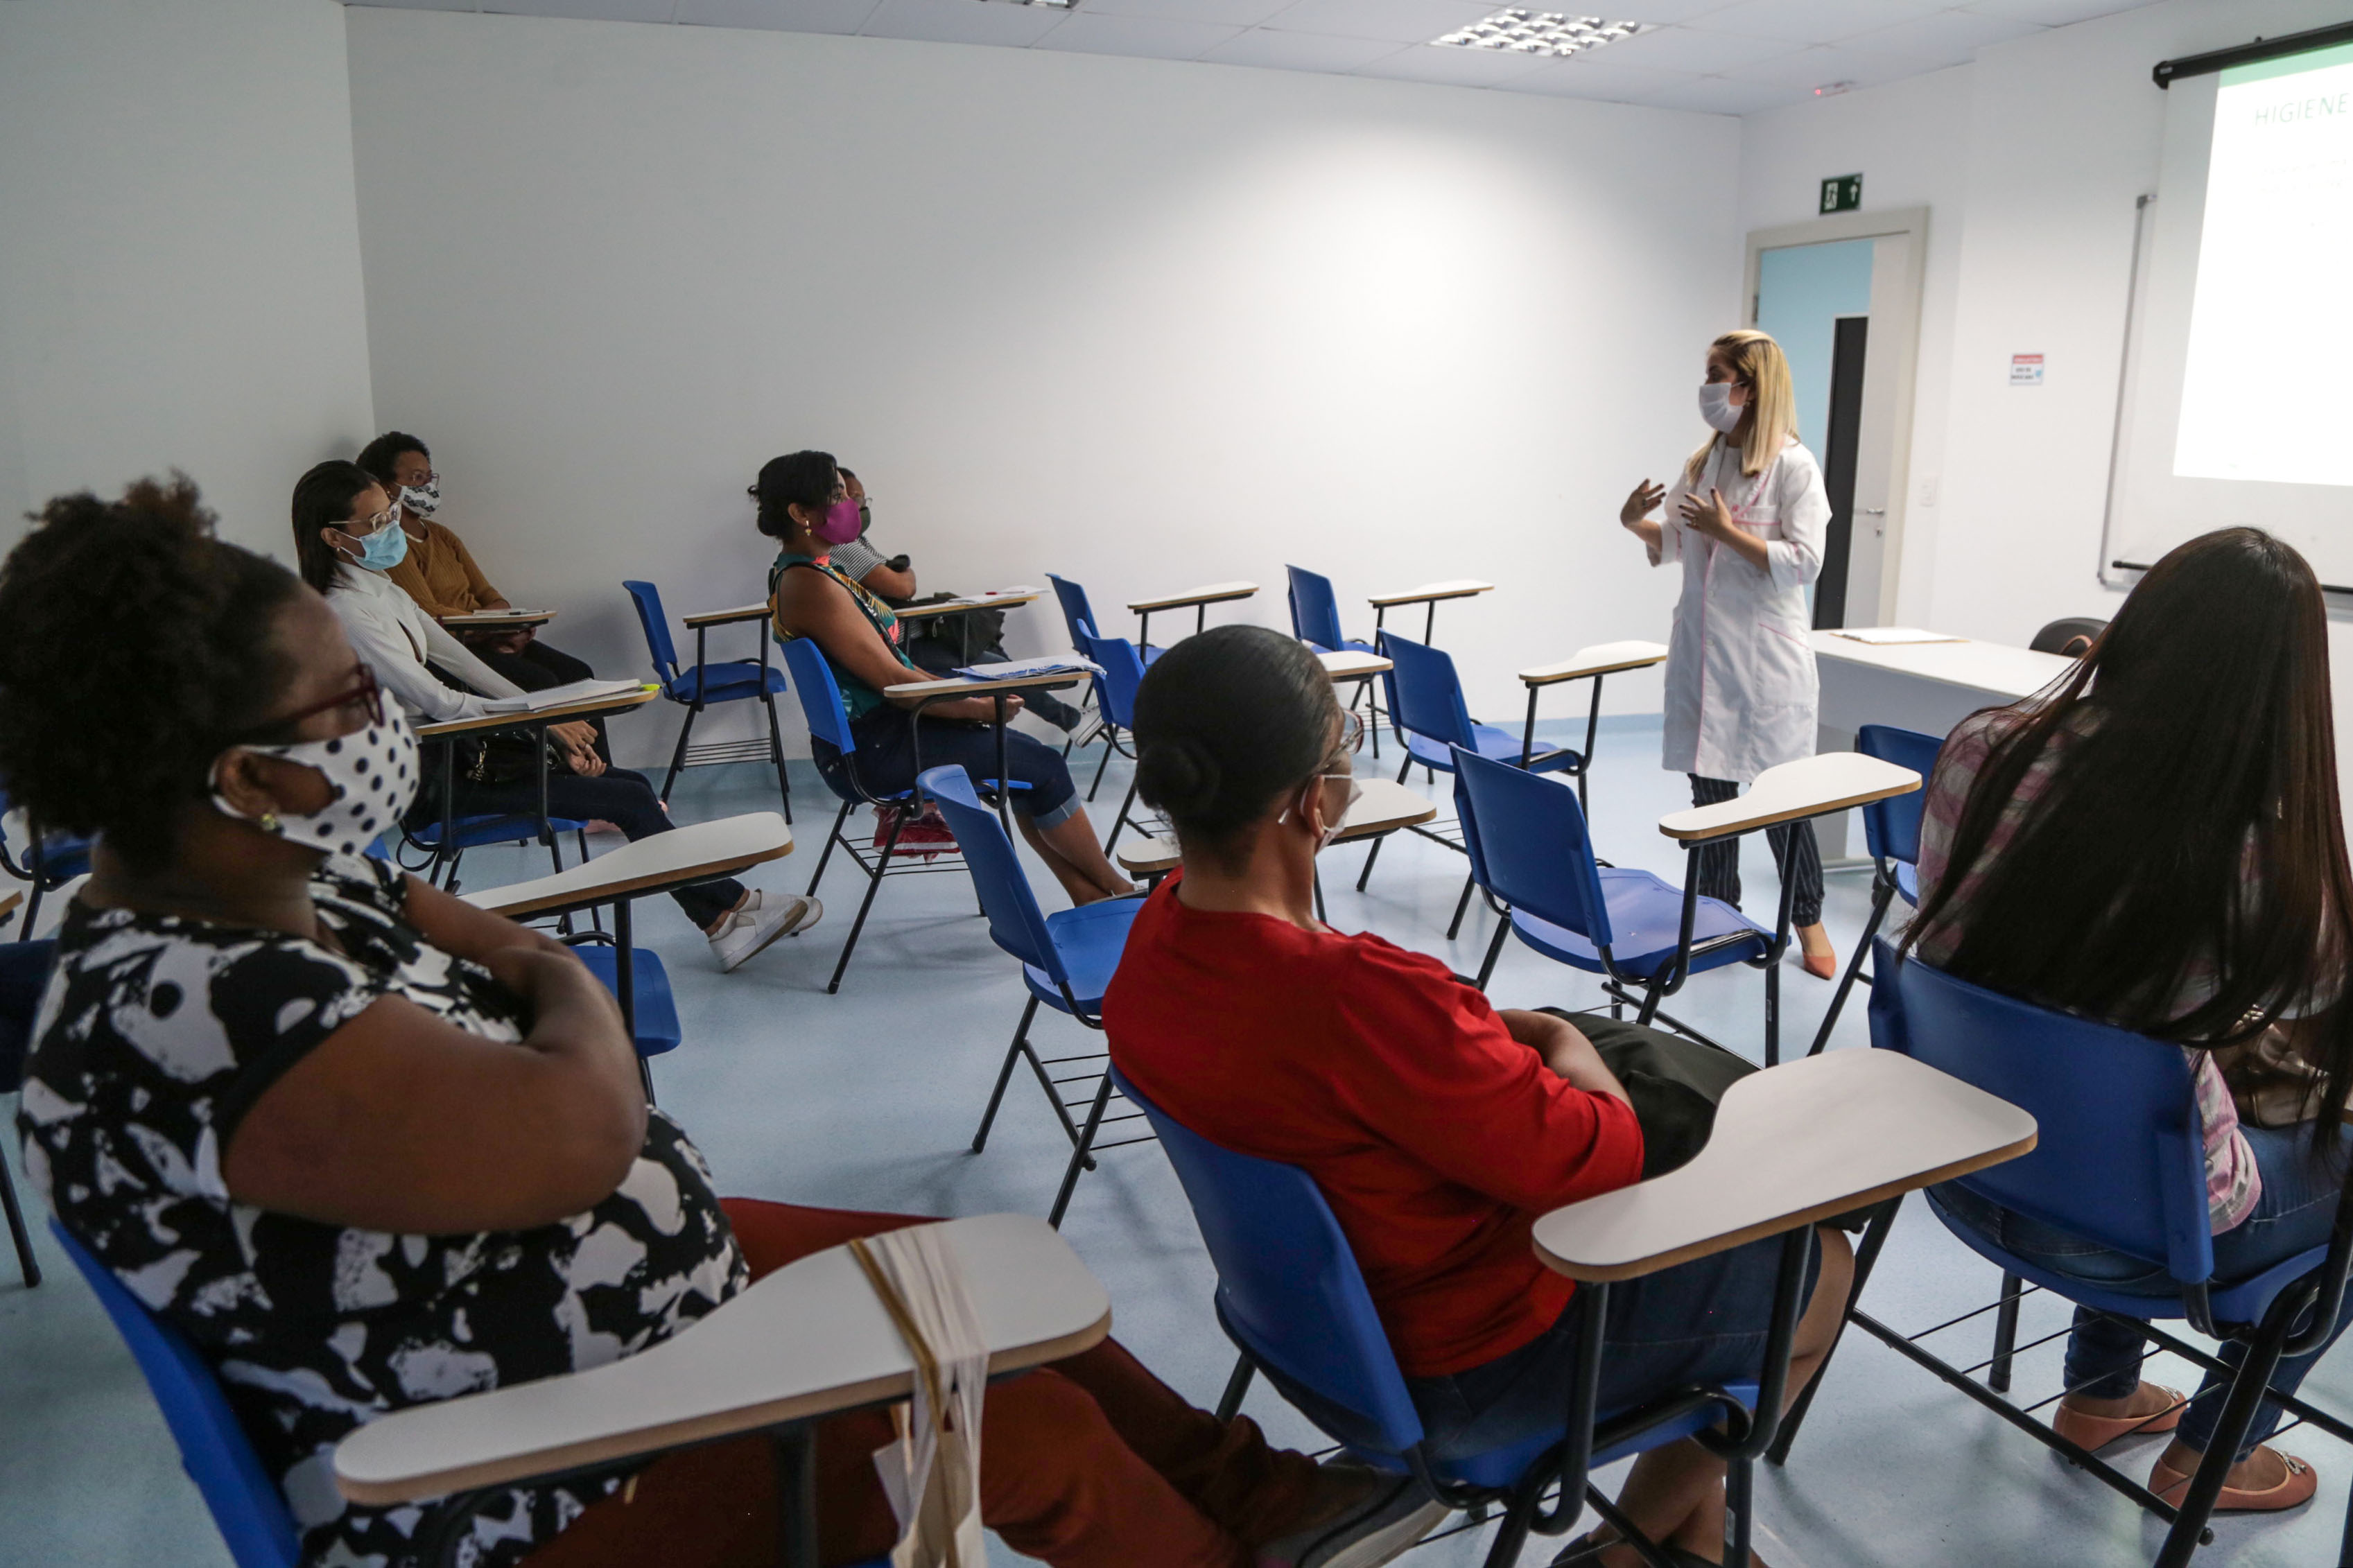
(1866, 1257)
(777, 755)
(796, 1537)
(873, 885)
(2239, 1408)
(1371, 854)
(1103, 766)
(1229, 1402)
(1462, 907)
(1773, 1016)
(1739, 1508)
(1883, 892)
(2005, 1333)
(1121, 821)
(32, 910)
(1078, 1161)
(1495, 951)
(1005, 1075)
(832, 839)
(26, 1261)
(678, 753)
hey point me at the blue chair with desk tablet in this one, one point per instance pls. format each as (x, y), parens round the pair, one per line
(1291, 1296)
(49, 861)
(1532, 852)
(1115, 688)
(1891, 831)
(698, 686)
(1315, 621)
(2119, 1161)
(1067, 960)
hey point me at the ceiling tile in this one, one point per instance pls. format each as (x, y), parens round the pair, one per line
(1398, 21)
(1278, 50)
(1721, 95)
(780, 15)
(2053, 13)
(1652, 10)
(1810, 69)
(418, 4)
(1948, 36)
(1233, 12)
(1142, 37)
(1452, 67)
(1812, 21)
(1684, 50)
(585, 10)
(1598, 79)
(962, 22)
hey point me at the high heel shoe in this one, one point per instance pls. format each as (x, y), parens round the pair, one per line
(1821, 965)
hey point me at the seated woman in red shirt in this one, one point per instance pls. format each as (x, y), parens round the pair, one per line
(1438, 1127)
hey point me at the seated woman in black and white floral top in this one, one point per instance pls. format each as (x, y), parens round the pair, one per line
(368, 1146)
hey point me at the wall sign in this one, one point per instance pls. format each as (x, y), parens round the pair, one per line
(1841, 193)
(2026, 370)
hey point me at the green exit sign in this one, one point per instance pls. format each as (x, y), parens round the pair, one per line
(1841, 193)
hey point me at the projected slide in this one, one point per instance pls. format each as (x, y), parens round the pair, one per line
(2266, 393)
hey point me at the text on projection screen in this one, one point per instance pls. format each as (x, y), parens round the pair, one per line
(2263, 392)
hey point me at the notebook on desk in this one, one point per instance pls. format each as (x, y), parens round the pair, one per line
(1015, 668)
(1891, 636)
(558, 695)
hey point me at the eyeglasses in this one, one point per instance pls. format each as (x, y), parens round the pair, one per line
(364, 696)
(1352, 732)
(366, 526)
(426, 477)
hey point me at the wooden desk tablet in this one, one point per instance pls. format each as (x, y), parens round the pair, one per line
(926, 692)
(8, 903)
(1792, 1146)
(497, 620)
(810, 1340)
(1386, 807)
(1809, 786)
(1586, 664)
(620, 702)
(703, 619)
(968, 602)
(1349, 664)
(1429, 593)
(1197, 600)
(701, 852)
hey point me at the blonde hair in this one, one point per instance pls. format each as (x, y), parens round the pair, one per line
(1769, 421)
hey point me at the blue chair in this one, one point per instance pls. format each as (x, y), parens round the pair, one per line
(1315, 621)
(1291, 1298)
(698, 686)
(1531, 851)
(24, 973)
(1891, 831)
(1067, 960)
(50, 860)
(2119, 1162)
(829, 721)
(653, 1011)
(246, 1505)
(474, 832)
(1427, 710)
(1123, 672)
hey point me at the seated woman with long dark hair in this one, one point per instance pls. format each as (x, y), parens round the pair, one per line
(345, 530)
(1438, 1127)
(806, 507)
(368, 1146)
(2158, 843)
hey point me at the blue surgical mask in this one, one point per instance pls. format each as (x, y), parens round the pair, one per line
(385, 548)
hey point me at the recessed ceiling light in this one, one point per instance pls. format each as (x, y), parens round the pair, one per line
(1519, 31)
(1832, 88)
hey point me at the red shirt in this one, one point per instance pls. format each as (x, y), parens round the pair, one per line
(1436, 1138)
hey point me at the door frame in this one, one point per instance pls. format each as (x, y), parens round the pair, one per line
(1902, 334)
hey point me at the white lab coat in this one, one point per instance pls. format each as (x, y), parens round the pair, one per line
(1741, 689)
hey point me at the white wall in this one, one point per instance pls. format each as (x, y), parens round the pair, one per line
(179, 252)
(1147, 325)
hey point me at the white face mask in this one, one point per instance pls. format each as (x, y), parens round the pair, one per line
(1331, 828)
(1716, 407)
(373, 774)
(423, 499)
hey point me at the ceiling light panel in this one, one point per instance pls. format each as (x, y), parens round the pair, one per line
(1552, 34)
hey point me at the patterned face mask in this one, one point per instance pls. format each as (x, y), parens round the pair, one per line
(373, 776)
(424, 499)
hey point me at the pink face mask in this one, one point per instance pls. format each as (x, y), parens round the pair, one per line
(840, 523)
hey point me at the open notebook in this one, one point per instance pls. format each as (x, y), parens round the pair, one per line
(558, 695)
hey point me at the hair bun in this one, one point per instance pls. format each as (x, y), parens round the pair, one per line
(1177, 775)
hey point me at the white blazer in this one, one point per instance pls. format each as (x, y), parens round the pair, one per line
(1742, 694)
(394, 637)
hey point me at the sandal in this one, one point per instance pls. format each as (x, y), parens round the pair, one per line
(2093, 1433)
(2297, 1487)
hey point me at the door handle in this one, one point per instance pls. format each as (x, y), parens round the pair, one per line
(1874, 512)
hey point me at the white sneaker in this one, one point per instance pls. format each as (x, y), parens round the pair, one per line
(755, 927)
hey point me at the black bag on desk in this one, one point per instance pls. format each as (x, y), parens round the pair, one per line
(491, 759)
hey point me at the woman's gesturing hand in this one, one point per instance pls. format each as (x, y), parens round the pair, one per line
(1708, 515)
(1643, 499)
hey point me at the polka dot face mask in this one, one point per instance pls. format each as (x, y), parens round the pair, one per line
(371, 775)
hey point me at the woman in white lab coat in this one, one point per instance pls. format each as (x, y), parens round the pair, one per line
(1746, 519)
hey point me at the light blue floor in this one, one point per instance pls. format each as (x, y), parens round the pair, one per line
(869, 1099)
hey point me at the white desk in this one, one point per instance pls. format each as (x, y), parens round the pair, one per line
(1928, 687)
(1429, 595)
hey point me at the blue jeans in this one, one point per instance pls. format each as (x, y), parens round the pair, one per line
(887, 760)
(2298, 1208)
(1704, 1321)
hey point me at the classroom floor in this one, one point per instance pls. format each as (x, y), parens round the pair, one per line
(869, 1098)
